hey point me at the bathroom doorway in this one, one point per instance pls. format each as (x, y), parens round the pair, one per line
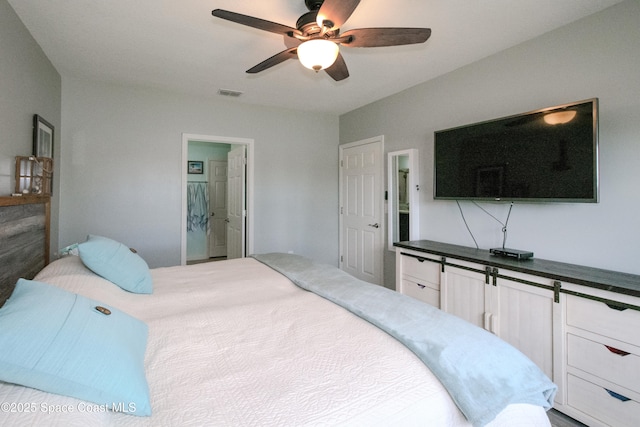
(197, 151)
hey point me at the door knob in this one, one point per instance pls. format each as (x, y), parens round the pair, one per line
(376, 225)
(213, 214)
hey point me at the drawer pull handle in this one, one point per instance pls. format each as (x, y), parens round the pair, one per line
(617, 351)
(615, 306)
(617, 396)
(421, 286)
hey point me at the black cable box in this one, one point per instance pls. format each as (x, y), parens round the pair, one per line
(511, 253)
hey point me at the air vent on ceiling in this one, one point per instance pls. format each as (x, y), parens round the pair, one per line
(229, 92)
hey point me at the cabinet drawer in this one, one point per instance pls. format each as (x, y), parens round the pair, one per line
(421, 292)
(599, 318)
(598, 360)
(598, 403)
(424, 270)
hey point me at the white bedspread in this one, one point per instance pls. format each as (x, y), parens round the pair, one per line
(235, 343)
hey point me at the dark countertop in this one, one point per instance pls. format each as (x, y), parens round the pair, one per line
(623, 283)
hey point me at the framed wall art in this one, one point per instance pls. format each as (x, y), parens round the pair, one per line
(195, 167)
(42, 137)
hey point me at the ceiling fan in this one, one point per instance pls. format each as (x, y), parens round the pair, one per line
(317, 36)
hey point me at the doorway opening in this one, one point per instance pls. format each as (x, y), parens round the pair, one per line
(205, 216)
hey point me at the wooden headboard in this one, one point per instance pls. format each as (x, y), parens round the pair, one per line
(24, 239)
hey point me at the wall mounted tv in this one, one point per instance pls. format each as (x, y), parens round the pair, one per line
(548, 155)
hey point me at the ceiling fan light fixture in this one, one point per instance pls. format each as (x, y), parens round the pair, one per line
(316, 37)
(323, 21)
(318, 54)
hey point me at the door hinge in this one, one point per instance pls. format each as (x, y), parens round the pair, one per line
(491, 275)
(556, 291)
(341, 258)
(341, 210)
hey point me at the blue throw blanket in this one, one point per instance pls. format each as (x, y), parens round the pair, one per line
(482, 373)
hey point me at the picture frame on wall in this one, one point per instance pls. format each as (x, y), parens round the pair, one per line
(195, 167)
(42, 137)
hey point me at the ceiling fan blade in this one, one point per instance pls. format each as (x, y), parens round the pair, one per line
(377, 37)
(336, 11)
(258, 23)
(338, 71)
(274, 60)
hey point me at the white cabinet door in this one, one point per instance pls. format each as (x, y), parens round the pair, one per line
(523, 315)
(464, 291)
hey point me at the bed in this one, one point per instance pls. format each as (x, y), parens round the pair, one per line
(252, 342)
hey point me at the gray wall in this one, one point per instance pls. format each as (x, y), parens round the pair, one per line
(118, 155)
(122, 163)
(29, 85)
(596, 57)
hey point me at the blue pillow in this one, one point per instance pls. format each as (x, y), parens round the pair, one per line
(116, 263)
(58, 342)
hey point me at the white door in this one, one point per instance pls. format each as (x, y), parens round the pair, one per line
(236, 204)
(362, 210)
(464, 293)
(217, 208)
(522, 315)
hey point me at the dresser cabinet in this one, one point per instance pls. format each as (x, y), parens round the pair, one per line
(583, 337)
(419, 276)
(601, 357)
(516, 307)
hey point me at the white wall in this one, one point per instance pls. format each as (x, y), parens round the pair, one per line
(29, 84)
(121, 169)
(596, 57)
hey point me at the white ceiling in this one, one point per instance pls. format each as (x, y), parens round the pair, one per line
(179, 46)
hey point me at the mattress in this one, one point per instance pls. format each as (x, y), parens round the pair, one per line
(234, 343)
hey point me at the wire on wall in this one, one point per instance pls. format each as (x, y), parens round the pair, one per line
(504, 224)
(466, 224)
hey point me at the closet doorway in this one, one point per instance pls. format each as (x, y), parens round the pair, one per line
(211, 208)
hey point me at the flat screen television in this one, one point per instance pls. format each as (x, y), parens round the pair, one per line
(548, 155)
